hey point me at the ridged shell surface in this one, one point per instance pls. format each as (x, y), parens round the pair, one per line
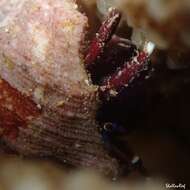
(47, 102)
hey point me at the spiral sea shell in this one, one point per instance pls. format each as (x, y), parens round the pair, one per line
(47, 102)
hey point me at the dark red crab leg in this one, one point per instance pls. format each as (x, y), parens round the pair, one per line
(104, 35)
(125, 74)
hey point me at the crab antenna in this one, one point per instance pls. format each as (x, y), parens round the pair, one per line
(104, 35)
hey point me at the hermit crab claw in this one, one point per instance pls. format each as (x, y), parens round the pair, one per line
(130, 69)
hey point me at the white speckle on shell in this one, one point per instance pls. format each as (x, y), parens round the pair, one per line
(87, 82)
(40, 40)
(39, 94)
(60, 103)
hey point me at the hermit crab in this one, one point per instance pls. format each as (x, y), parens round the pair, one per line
(52, 89)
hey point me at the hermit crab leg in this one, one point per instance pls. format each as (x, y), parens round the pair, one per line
(104, 35)
(127, 73)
